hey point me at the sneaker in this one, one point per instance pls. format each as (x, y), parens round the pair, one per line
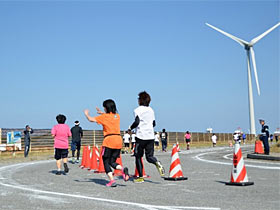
(58, 173)
(160, 168)
(125, 174)
(139, 180)
(112, 183)
(66, 169)
(73, 160)
(77, 161)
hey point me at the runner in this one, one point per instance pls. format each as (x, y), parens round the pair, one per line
(144, 123)
(60, 133)
(112, 143)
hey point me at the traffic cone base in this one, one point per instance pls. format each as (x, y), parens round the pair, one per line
(175, 179)
(239, 183)
(175, 172)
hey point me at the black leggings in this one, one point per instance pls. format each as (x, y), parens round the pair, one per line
(148, 146)
(109, 158)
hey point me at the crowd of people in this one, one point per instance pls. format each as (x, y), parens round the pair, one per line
(140, 139)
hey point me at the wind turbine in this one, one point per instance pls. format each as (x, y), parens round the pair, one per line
(250, 54)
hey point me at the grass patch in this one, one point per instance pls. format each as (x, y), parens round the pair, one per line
(275, 148)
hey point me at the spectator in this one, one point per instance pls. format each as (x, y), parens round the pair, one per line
(264, 136)
(27, 131)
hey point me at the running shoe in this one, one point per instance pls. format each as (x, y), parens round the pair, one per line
(73, 160)
(160, 168)
(125, 174)
(139, 180)
(112, 183)
(58, 173)
(77, 161)
(66, 169)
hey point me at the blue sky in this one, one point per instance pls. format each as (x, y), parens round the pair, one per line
(62, 57)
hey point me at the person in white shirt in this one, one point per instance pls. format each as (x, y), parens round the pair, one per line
(144, 123)
(214, 139)
(157, 137)
(126, 139)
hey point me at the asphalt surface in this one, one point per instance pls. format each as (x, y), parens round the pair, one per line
(34, 185)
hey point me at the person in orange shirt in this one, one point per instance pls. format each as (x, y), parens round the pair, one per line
(112, 143)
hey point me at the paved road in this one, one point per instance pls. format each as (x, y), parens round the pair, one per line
(33, 185)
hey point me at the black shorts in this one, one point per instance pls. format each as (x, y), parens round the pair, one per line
(108, 152)
(126, 144)
(188, 140)
(156, 143)
(75, 145)
(60, 153)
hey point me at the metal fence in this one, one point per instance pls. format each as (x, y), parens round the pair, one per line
(41, 139)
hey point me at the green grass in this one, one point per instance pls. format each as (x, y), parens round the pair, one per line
(275, 148)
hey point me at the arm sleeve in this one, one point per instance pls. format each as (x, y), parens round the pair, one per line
(154, 123)
(135, 123)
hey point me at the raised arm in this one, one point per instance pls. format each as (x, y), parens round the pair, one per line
(91, 119)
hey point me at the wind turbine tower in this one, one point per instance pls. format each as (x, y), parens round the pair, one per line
(250, 56)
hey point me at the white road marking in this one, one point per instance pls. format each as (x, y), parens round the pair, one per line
(146, 206)
(197, 157)
(253, 161)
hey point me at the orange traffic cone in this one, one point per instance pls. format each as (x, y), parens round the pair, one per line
(238, 173)
(93, 160)
(84, 157)
(87, 161)
(136, 174)
(118, 172)
(101, 168)
(175, 171)
(259, 147)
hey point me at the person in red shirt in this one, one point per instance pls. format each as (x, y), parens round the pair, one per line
(112, 143)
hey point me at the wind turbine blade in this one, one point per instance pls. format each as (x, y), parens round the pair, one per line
(255, 68)
(240, 41)
(255, 40)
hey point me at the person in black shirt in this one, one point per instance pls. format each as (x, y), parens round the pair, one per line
(77, 134)
(264, 136)
(27, 133)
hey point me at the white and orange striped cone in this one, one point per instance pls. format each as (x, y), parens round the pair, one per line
(238, 173)
(175, 171)
(97, 152)
(178, 147)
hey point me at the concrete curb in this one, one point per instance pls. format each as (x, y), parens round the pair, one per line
(263, 157)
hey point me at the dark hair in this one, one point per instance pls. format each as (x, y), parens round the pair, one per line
(110, 106)
(187, 132)
(60, 119)
(163, 130)
(144, 98)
